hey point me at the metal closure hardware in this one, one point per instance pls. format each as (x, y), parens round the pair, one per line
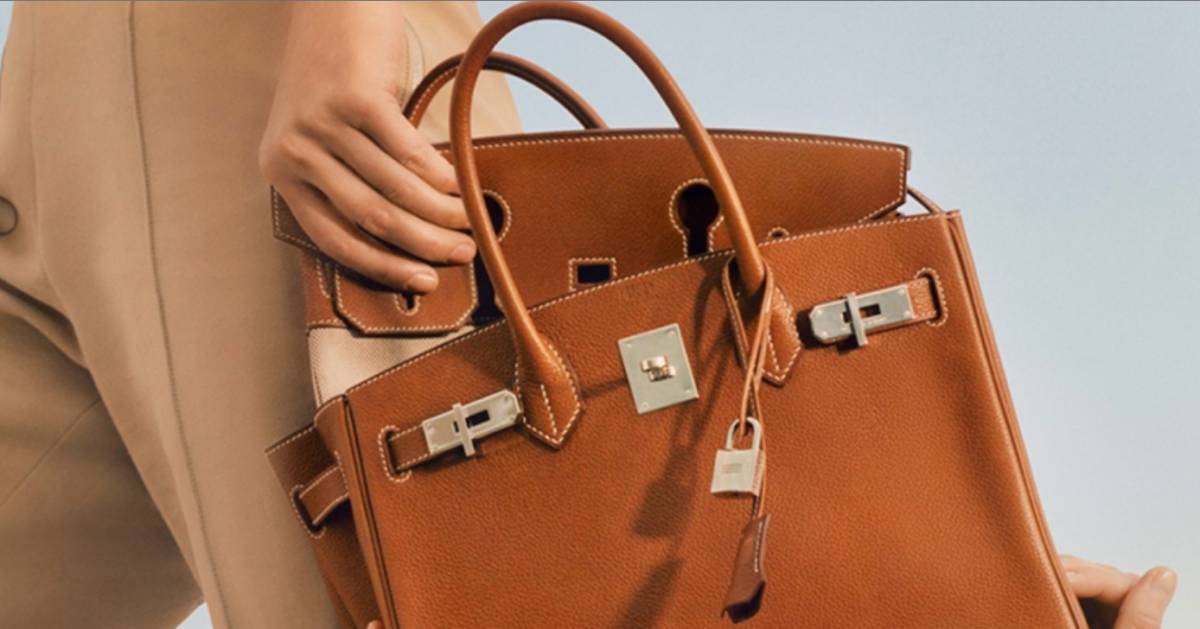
(855, 315)
(740, 471)
(464, 423)
(657, 368)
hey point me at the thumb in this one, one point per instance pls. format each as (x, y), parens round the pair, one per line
(1147, 600)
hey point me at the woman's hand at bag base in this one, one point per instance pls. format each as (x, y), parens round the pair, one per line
(366, 186)
(1120, 600)
(1111, 599)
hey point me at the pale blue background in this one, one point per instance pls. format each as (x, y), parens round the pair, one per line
(1070, 136)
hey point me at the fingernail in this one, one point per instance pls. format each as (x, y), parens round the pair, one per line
(462, 253)
(1072, 575)
(1164, 582)
(423, 282)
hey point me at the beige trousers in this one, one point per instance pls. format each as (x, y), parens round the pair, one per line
(151, 333)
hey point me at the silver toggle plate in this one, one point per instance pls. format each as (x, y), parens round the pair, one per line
(464, 423)
(657, 368)
(856, 315)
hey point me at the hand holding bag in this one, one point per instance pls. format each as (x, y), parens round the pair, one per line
(559, 468)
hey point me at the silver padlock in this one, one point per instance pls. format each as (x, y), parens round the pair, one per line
(740, 471)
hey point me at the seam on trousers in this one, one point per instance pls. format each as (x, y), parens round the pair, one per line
(50, 450)
(33, 167)
(162, 320)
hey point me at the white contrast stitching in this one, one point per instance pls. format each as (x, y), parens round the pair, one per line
(342, 310)
(276, 209)
(663, 135)
(296, 510)
(561, 366)
(320, 268)
(894, 222)
(941, 308)
(484, 145)
(317, 481)
(781, 375)
(336, 501)
(474, 288)
(300, 435)
(675, 134)
(388, 434)
(444, 78)
(771, 348)
(330, 507)
(573, 264)
(758, 547)
(508, 215)
(673, 216)
(550, 409)
(403, 307)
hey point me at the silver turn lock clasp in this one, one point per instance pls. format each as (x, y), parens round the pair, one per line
(853, 316)
(738, 471)
(463, 424)
(658, 368)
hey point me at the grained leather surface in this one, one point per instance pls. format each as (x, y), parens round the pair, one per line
(792, 182)
(301, 457)
(900, 491)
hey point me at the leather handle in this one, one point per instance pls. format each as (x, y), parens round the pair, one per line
(537, 359)
(531, 73)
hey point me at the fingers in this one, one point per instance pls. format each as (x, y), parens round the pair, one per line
(1147, 600)
(363, 205)
(353, 168)
(1092, 580)
(389, 129)
(404, 187)
(350, 247)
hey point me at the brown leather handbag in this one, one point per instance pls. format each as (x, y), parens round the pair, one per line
(600, 458)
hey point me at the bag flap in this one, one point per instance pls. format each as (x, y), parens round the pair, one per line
(609, 198)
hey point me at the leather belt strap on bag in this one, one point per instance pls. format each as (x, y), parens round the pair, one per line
(872, 462)
(911, 302)
(313, 481)
(914, 301)
(323, 494)
(302, 463)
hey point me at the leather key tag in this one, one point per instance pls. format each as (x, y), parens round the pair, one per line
(746, 587)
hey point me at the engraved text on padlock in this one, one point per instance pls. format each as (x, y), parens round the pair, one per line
(740, 471)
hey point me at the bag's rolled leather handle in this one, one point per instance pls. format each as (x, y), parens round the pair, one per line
(551, 414)
(531, 73)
